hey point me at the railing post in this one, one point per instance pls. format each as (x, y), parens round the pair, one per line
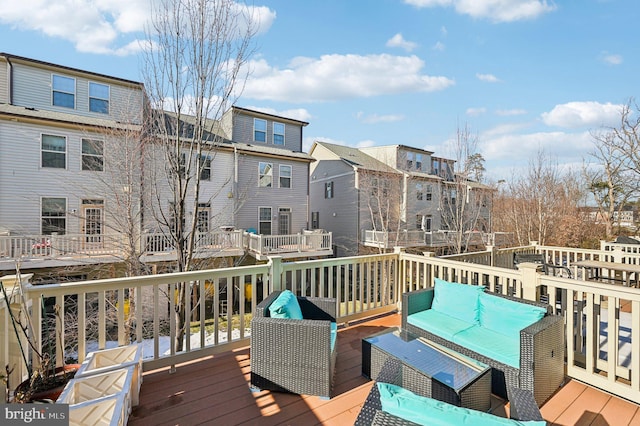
(275, 273)
(492, 253)
(530, 280)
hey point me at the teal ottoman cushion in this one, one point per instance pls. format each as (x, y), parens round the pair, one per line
(405, 404)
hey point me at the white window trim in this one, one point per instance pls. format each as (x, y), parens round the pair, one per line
(89, 98)
(270, 217)
(273, 130)
(260, 174)
(82, 154)
(280, 176)
(66, 222)
(75, 90)
(66, 152)
(266, 130)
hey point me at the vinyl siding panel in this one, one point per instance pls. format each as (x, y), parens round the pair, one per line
(4, 81)
(243, 132)
(344, 204)
(33, 89)
(251, 197)
(23, 181)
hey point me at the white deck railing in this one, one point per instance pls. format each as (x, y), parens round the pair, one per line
(600, 319)
(306, 242)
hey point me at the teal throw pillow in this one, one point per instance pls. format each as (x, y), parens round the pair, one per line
(506, 316)
(285, 306)
(457, 300)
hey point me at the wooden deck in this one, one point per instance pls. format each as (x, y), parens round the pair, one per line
(215, 391)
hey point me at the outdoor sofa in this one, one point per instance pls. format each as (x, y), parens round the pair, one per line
(294, 351)
(389, 404)
(520, 339)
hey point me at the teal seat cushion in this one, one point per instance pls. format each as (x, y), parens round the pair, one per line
(505, 349)
(457, 300)
(402, 403)
(438, 323)
(506, 316)
(334, 334)
(285, 306)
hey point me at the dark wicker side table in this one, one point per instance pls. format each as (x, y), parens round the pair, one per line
(429, 369)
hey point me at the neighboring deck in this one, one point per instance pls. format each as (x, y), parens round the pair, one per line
(215, 390)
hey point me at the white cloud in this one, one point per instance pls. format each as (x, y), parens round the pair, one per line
(95, 26)
(474, 112)
(611, 58)
(439, 46)
(375, 118)
(365, 143)
(493, 10)
(489, 78)
(335, 77)
(566, 147)
(582, 114)
(296, 113)
(399, 41)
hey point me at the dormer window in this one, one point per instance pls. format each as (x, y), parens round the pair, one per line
(409, 160)
(259, 130)
(63, 91)
(278, 134)
(99, 98)
(419, 161)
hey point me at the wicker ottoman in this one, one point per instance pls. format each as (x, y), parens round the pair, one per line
(429, 369)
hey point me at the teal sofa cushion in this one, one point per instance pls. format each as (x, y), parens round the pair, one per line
(457, 300)
(505, 349)
(438, 323)
(402, 403)
(507, 317)
(285, 306)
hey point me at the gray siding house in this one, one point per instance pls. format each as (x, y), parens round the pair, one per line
(62, 130)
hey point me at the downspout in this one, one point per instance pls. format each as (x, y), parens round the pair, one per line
(10, 82)
(234, 188)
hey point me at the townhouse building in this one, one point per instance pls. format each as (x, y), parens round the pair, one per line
(417, 190)
(76, 159)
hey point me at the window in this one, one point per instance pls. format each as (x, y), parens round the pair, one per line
(264, 220)
(426, 223)
(99, 98)
(285, 176)
(428, 193)
(92, 155)
(54, 151)
(54, 215)
(419, 194)
(419, 161)
(409, 160)
(419, 221)
(205, 167)
(278, 133)
(328, 189)
(64, 91)
(259, 130)
(266, 175)
(202, 223)
(315, 220)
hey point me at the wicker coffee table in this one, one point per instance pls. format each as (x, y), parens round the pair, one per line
(429, 369)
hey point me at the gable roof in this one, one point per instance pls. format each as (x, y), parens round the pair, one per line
(356, 158)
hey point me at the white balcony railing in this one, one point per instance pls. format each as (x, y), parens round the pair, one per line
(602, 320)
(214, 243)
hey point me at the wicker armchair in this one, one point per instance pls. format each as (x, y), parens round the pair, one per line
(292, 355)
(522, 405)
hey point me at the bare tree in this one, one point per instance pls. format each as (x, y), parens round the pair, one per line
(381, 196)
(193, 69)
(465, 203)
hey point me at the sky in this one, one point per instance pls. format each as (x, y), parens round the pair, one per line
(524, 76)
